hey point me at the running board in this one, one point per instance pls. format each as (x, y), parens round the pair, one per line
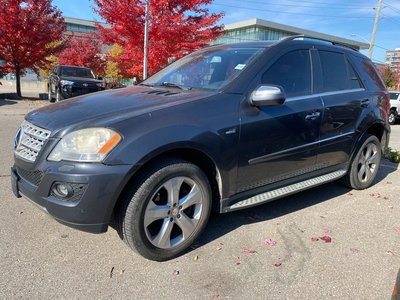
(286, 191)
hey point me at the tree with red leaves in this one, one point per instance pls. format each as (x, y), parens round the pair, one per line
(175, 28)
(84, 51)
(28, 31)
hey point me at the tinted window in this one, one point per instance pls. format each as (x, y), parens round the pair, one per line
(292, 71)
(394, 96)
(337, 73)
(355, 82)
(368, 73)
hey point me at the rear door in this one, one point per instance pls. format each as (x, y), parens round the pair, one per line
(280, 142)
(344, 97)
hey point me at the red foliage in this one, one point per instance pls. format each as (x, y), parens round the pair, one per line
(175, 28)
(84, 51)
(27, 28)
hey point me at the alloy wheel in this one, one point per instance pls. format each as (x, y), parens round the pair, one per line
(367, 163)
(173, 213)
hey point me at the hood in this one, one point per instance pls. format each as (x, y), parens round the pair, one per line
(109, 105)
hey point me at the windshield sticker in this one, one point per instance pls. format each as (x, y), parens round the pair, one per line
(240, 67)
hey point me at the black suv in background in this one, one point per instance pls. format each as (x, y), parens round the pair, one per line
(229, 126)
(71, 81)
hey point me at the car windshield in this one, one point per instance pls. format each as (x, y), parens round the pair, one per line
(77, 72)
(208, 69)
(394, 96)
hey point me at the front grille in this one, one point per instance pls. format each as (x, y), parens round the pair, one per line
(30, 141)
(34, 177)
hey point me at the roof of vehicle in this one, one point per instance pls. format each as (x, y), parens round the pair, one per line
(301, 39)
(74, 66)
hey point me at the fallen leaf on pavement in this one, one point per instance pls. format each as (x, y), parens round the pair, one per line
(375, 195)
(249, 251)
(175, 273)
(388, 182)
(314, 238)
(326, 239)
(386, 198)
(355, 250)
(215, 296)
(269, 242)
(390, 253)
(350, 194)
(64, 236)
(327, 230)
(219, 248)
(397, 229)
(278, 264)
(196, 257)
(112, 272)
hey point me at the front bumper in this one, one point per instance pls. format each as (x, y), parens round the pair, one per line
(69, 91)
(97, 188)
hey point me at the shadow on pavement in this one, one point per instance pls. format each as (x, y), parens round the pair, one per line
(219, 225)
(7, 102)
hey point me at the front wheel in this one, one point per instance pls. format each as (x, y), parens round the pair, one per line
(365, 164)
(59, 97)
(50, 95)
(166, 210)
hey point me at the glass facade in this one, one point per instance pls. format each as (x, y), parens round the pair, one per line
(251, 33)
(80, 28)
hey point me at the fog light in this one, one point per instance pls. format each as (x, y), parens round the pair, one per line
(62, 190)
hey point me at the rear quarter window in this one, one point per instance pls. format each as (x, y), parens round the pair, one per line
(368, 73)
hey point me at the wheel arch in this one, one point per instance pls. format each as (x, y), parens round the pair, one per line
(193, 155)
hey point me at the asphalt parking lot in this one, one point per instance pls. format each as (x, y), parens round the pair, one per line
(273, 251)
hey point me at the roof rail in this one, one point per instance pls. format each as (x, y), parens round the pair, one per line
(302, 36)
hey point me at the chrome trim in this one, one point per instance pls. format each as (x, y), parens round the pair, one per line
(325, 94)
(30, 141)
(266, 157)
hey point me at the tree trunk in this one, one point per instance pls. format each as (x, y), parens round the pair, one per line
(18, 80)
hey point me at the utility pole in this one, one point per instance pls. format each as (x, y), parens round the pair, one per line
(146, 39)
(377, 16)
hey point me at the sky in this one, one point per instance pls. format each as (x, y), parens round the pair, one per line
(348, 19)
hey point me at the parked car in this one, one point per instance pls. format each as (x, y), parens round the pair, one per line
(71, 81)
(229, 127)
(394, 107)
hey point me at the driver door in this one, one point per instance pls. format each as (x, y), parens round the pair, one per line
(281, 141)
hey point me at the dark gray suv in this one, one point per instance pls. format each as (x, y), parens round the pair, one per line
(229, 126)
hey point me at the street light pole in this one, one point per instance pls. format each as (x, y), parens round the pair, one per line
(377, 16)
(146, 39)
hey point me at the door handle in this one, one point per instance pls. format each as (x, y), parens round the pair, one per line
(313, 116)
(364, 103)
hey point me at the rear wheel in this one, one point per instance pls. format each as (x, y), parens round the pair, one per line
(365, 164)
(392, 117)
(166, 211)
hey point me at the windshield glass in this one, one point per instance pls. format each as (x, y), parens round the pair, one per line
(394, 96)
(77, 72)
(208, 69)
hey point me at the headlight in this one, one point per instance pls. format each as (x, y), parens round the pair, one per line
(101, 84)
(66, 82)
(85, 145)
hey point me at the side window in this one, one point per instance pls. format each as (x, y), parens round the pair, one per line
(334, 71)
(355, 82)
(292, 71)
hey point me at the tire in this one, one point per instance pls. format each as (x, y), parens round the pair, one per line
(50, 95)
(365, 164)
(392, 117)
(59, 97)
(155, 223)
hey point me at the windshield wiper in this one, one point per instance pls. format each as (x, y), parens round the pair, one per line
(174, 85)
(146, 84)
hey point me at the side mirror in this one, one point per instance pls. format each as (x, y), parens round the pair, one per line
(268, 95)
